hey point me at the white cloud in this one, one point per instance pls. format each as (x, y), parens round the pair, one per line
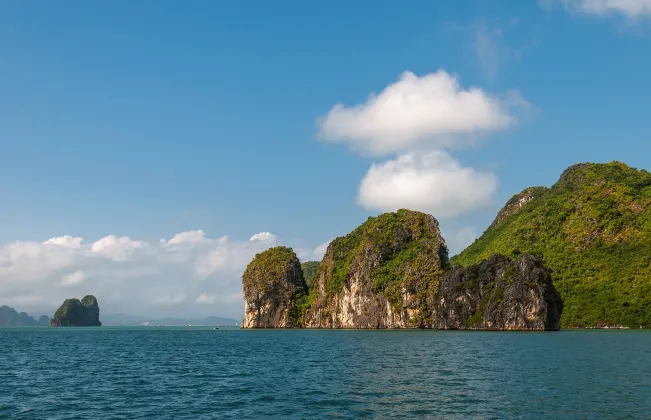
(263, 236)
(205, 298)
(116, 248)
(72, 278)
(461, 239)
(65, 241)
(629, 8)
(432, 182)
(431, 111)
(190, 237)
(316, 254)
(173, 299)
(320, 250)
(129, 275)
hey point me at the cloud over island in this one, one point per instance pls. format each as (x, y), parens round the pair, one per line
(189, 270)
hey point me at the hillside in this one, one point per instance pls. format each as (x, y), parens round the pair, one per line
(593, 229)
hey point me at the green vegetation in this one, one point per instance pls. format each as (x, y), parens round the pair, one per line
(309, 272)
(273, 283)
(269, 267)
(394, 251)
(593, 229)
(77, 313)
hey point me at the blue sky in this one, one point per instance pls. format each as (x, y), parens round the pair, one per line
(147, 119)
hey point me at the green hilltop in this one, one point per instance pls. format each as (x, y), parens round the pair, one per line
(593, 229)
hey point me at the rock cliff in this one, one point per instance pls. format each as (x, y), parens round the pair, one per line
(381, 275)
(273, 287)
(76, 313)
(498, 294)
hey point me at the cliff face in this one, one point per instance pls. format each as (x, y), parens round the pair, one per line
(273, 288)
(381, 275)
(593, 228)
(498, 294)
(76, 313)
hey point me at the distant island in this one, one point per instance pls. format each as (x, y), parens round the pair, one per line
(9, 317)
(77, 313)
(576, 255)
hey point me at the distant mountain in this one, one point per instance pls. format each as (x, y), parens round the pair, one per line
(132, 320)
(9, 317)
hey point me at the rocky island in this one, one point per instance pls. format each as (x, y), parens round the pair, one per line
(575, 255)
(393, 272)
(273, 286)
(77, 313)
(381, 275)
(593, 229)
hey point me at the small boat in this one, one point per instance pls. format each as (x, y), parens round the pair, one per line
(216, 328)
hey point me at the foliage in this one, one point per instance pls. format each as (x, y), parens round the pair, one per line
(275, 277)
(270, 266)
(309, 272)
(395, 251)
(593, 228)
(75, 312)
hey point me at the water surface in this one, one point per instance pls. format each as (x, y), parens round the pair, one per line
(201, 373)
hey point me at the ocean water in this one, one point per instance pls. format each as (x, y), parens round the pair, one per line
(201, 373)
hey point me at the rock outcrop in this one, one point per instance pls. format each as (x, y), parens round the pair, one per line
(381, 275)
(516, 203)
(77, 313)
(274, 287)
(498, 294)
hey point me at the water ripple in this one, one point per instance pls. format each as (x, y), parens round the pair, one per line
(203, 374)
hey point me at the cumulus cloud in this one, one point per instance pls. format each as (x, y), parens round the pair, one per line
(116, 248)
(190, 237)
(316, 254)
(459, 240)
(433, 111)
(173, 299)
(629, 8)
(206, 299)
(129, 275)
(263, 236)
(432, 182)
(72, 278)
(65, 241)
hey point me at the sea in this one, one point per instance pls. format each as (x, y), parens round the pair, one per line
(228, 373)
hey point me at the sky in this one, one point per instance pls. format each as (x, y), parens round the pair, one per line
(148, 150)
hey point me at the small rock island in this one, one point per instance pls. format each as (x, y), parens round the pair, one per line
(273, 285)
(77, 313)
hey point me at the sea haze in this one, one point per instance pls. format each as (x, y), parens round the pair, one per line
(202, 373)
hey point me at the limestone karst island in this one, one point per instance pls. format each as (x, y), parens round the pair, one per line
(77, 313)
(576, 255)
